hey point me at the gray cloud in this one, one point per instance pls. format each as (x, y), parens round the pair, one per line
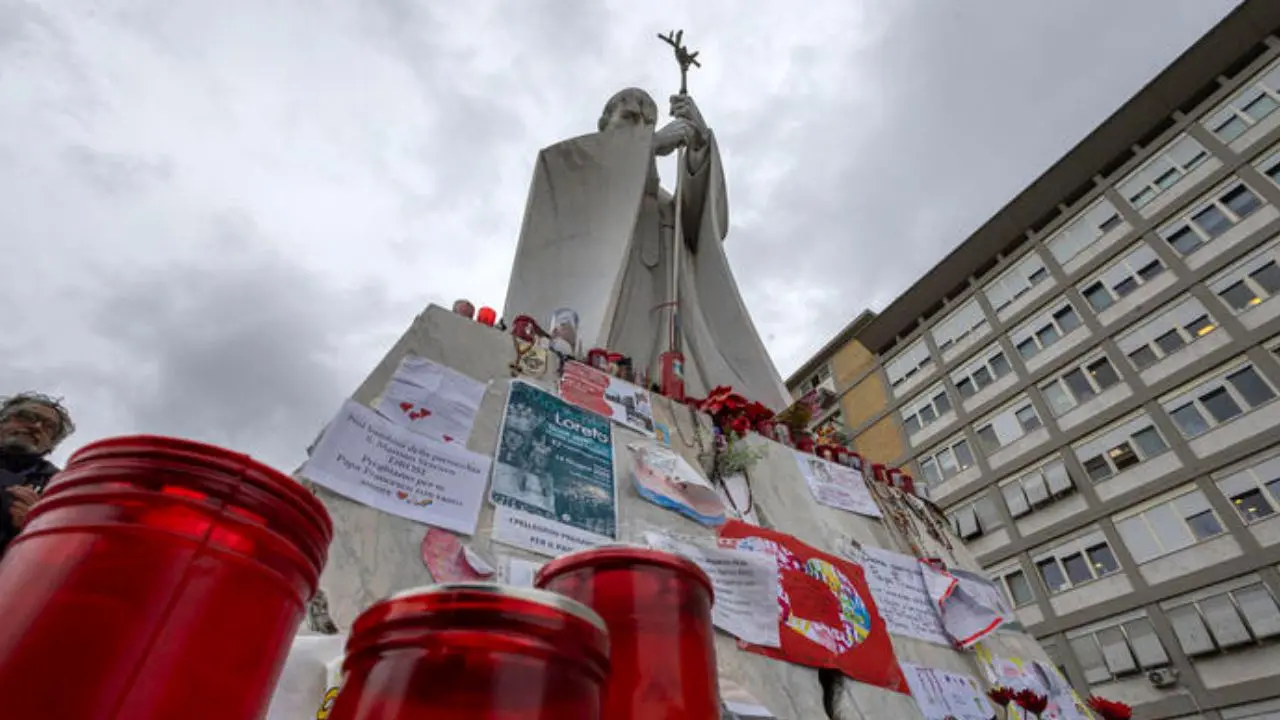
(223, 214)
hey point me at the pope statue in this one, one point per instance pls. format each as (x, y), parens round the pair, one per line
(598, 238)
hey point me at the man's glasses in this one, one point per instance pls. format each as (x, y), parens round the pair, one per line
(31, 417)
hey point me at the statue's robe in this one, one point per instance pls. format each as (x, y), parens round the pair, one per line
(597, 238)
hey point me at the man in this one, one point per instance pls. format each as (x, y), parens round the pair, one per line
(31, 426)
(598, 237)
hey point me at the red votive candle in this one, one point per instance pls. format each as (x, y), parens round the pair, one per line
(157, 579)
(487, 316)
(474, 651)
(658, 609)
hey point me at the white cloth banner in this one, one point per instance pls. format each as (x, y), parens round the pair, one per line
(745, 585)
(941, 694)
(431, 399)
(899, 591)
(837, 486)
(366, 458)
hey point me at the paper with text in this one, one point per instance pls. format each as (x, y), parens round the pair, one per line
(837, 486)
(899, 589)
(431, 399)
(941, 694)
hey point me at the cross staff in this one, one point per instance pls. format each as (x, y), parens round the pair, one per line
(675, 39)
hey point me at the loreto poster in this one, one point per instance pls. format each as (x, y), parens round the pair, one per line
(553, 479)
(604, 394)
(827, 617)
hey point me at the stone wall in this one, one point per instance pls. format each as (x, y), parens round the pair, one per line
(375, 554)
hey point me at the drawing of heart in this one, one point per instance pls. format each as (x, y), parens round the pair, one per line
(447, 438)
(402, 495)
(405, 407)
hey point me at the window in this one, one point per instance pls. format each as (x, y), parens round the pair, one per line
(1037, 488)
(1131, 272)
(1118, 649)
(1167, 333)
(1255, 490)
(1119, 447)
(1247, 108)
(975, 519)
(1251, 281)
(1163, 171)
(911, 361)
(945, 462)
(968, 319)
(1210, 219)
(1270, 166)
(1076, 562)
(1226, 620)
(990, 367)
(1016, 281)
(1095, 222)
(1169, 526)
(1007, 425)
(816, 380)
(1040, 333)
(925, 409)
(1079, 384)
(1223, 397)
(1015, 583)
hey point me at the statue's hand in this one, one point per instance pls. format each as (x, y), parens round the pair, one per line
(684, 108)
(675, 134)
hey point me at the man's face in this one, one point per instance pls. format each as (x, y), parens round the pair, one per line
(628, 111)
(30, 428)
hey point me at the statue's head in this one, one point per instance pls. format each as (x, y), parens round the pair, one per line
(632, 106)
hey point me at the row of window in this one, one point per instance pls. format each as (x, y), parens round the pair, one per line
(1205, 220)
(1208, 622)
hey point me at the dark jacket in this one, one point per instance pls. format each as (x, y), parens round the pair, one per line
(29, 470)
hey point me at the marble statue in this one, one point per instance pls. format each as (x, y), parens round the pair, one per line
(597, 237)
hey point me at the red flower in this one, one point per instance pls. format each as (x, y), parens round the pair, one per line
(1031, 701)
(1000, 695)
(1110, 709)
(757, 411)
(739, 425)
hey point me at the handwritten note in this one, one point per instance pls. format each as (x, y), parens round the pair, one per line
(431, 399)
(368, 459)
(745, 585)
(837, 486)
(899, 590)
(941, 694)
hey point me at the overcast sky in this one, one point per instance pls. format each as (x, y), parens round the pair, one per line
(217, 216)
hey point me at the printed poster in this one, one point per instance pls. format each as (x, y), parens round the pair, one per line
(827, 617)
(899, 591)
(553, 482)
(604, 394)
(745, 586)
(837, 486)
(431, 399)
(941, 694)
(367, 458)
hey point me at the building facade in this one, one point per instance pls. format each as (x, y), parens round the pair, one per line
(1090, 387)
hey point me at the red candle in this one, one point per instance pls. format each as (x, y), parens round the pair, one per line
(163, 579)
(472, 651)
(487, 316)
(464, 308)
(658, 609)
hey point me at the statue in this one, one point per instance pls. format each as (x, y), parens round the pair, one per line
(599, 236)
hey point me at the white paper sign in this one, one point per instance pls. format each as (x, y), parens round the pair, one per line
(537, 534)
(898, 587)
(745, 585)
(370, 460)
(431, 399)
(941, 694)
(837, 486)
(307, 677)
(518, 572)
(738, 703)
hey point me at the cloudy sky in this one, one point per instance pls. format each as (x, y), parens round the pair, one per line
(216, 217)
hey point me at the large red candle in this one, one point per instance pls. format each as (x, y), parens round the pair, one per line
(474, 652)
(157, 579)
(658, 609)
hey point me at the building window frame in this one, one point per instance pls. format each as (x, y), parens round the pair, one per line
(1076, 562)
(966, 321)
(1253, 487)
(1080, 382)
(1213, 215)
(1117, 447)
(1215, 621)
(1046, 329)
(1186, 512)
(926, 409)
(1019, 415)
(1254, 102)
(1139, 266)
(1107, 644)
(1251, 281)
(982, 373)
(914, 360)
(976, 517)
(1014, 577)
(1009, 286)
(1167, 167)
(1170, 330)
(932, 466)
(1201, 405)
(1073, 238)
(1037, 487)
